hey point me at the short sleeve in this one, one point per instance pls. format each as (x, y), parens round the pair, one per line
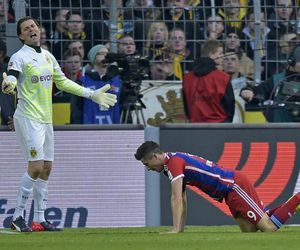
(15, 63)
(176, 168)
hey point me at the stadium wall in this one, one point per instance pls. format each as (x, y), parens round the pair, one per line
(95, 181)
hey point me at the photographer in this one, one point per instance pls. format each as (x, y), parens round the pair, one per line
(289, 108)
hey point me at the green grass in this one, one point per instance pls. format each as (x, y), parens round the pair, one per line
(194, 238)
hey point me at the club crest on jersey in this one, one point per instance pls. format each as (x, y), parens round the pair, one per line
(34, 79)
(33, 152)
(48, 59)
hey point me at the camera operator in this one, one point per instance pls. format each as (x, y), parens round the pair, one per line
(126, 45)
(84, 111)
(270, 90)
(133, 69)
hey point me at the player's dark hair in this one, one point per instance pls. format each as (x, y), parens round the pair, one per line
(146, 149)
(22, 20)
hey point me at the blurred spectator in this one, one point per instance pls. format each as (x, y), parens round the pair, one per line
(238, 81)
(2, 18)
(281, 19)
(157, 39)
(143, 13)
(162, 69)
(11, 12)
(126, 45)
(76, 45)
(233, 42)
(75, 26)
(102, 16)
(179, 52)
(46, 46)
(44, 38)
(286, 104)
(277, 59)
(7, 102)
(178, 15)
(76, 30)
(3, 57)
(86, 66)
(264, 46)
(71, 64)
(296, 22)
(214, 28)
(83, 111)
(60, 28)
(233, 12)
(248, 31)
(208, 93)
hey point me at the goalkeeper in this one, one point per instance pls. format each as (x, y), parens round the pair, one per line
(32, 71)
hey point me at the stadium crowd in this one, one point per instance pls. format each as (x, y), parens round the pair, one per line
(171, 34)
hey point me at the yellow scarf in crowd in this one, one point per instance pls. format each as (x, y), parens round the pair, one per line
(242, 13)
(177, 58)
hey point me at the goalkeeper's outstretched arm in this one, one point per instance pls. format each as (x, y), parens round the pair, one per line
(99, 96)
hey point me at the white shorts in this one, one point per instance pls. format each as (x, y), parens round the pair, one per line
(36, 139)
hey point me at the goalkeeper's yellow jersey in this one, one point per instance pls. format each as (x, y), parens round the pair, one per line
(38, 71)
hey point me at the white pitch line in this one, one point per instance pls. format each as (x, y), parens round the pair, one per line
(8, 232)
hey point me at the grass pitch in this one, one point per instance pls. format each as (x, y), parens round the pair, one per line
(194, 238)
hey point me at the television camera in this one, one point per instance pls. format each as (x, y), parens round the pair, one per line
(132, 69)
(287, 98)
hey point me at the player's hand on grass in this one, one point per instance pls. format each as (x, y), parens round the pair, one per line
(9, 84)
(102, 98)
(173, 231)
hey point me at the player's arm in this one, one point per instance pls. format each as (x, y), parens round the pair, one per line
(178, 204)
(184, 199)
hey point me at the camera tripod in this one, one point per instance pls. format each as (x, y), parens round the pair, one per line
(132, 107)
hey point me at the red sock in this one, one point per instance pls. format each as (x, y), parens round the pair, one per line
(285, 211)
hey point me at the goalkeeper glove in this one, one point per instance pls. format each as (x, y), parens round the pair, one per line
(105, 99)
(9, 83)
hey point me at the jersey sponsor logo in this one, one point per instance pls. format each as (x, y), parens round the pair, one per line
(34, 79)
(33, 152)
(262, 162)
(44, 78)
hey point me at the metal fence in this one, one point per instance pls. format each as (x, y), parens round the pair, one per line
(107, 21)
